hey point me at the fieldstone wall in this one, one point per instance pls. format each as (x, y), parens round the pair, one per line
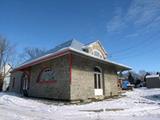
(82, 85)
(110, 82)
(60, 88)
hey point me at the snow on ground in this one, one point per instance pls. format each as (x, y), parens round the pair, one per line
(140, 104)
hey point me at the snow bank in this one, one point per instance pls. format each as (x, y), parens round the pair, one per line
(137, 104)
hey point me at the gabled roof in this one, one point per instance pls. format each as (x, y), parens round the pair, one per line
(91, 43)
(71, 45)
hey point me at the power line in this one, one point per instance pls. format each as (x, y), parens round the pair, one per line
(138, 54)
(142, 43)
(149, 43)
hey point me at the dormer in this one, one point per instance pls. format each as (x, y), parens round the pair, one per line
(96, 49)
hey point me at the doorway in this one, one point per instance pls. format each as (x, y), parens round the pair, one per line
(98, 84)
(25, 84)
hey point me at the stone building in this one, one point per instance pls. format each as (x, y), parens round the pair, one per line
(70, 71)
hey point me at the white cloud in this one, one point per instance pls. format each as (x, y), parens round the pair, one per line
(140, 14)
(116, 22)
(143, 12)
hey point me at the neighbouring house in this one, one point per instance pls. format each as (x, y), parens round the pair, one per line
(153, 81)
(71, 71)
(5, 77)
(6, 81)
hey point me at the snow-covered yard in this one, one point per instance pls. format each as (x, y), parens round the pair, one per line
(140, 104)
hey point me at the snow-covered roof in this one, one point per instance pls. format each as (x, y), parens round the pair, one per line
(152, 76)
(71, 45)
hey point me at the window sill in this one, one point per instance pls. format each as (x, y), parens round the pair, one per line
(49, 81)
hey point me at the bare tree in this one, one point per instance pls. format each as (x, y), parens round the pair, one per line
(5, 57)
(34, 52)
(30, 53)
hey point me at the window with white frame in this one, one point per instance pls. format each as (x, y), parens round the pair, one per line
(97, 78)
(97, 53)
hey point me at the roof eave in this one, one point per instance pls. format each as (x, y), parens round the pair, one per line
(121, 66)
(66, 51)
(41, 59)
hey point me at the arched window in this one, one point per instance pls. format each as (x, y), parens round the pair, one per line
(96, 69)
(97, 78)
(46, 74)
(97, 53)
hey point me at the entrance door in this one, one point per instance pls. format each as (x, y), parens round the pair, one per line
(98, 87)
(25, 84)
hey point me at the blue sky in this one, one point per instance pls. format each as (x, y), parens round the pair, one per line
(128, 29)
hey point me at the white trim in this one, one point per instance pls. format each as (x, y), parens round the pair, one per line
(98, 92)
